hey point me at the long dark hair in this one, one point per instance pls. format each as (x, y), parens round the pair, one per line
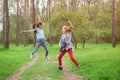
(34, 26)
(40, 23)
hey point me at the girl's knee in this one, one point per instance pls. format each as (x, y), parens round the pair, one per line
(59, 57)
(72, 58)
(35, 50)
(46, 51)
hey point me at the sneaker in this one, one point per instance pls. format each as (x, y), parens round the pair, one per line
(47, 58)
(60, 68)
(78, 66)
(31, 56)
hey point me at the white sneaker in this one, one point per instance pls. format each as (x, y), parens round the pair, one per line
(47, 58)
(31, 56)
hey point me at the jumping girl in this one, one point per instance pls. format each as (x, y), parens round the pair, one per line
(65, 45)
(40, 38)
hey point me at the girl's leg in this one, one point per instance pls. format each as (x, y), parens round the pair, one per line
(72, 58)
(60, 57)
(46, 49)
(36, 47)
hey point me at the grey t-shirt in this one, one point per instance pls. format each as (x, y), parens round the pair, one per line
(67, 39)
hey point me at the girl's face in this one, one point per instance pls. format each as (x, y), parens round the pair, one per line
(64, 29)
(40, 26)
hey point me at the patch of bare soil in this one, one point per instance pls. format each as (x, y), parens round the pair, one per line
(22, 69)
(70, 75)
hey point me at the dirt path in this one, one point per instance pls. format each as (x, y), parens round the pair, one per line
(22, 69)
(67, 73)
(70, 75)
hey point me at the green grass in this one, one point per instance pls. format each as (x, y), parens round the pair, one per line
(44, 69)
(15, 57)
(98, 62)
(11, 59)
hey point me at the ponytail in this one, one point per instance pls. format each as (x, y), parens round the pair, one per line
(69, 27)
(34, 26)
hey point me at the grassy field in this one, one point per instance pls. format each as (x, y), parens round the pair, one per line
(44, 69)
(12, 59)
(98, 62)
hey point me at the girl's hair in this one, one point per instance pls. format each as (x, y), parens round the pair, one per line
(34, 26)
(40, 23)
(69, 28)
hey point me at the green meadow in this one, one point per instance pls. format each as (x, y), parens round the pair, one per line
(98, 62)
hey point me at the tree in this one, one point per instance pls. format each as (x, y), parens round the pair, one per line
(117, 21)
(33, 11)
(113, 33)
(95, 22)
(17, 24)
(49, 9)
(34, 18)
(25, 22)
(5, 24)
(73, 5)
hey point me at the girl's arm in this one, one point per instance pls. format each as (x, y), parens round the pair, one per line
(32, 30)
(60, 41)
(70, 24)
(24, 31)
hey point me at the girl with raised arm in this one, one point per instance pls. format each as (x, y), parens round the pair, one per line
(66, 45)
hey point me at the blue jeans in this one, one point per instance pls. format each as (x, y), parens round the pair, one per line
(38, 44)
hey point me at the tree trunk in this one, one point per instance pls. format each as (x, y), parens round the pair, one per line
(43, 15)
(34, 18)
(83, 42)
(51, 43)
(1, 37)
(25, 23)
(33, 11)
(37, 9)
(6, 25)
(95, 12)
(74, 40)
(17, 25)
(74, 5)
(113, 33)
(47, 11)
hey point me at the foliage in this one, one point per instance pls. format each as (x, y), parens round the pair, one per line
(83, 19)
(117, 23)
